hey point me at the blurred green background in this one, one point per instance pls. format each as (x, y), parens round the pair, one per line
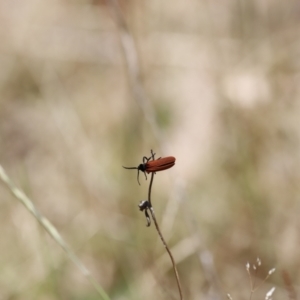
(222, 83)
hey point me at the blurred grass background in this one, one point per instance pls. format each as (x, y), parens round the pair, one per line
(222, 82)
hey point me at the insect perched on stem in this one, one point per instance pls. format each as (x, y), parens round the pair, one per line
(153, 166)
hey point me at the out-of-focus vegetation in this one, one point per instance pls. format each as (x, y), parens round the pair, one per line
(223, 80)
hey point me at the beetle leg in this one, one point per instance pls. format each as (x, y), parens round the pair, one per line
(152, 155)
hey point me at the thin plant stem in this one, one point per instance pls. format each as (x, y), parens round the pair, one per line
(289, 285)
(46, 224)
(161, 236)
(252, 282)
(134, 70)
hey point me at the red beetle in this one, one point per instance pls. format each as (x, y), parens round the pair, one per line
(156, 165)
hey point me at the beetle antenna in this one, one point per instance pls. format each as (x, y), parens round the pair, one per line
(129, 167)
(138, 176)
